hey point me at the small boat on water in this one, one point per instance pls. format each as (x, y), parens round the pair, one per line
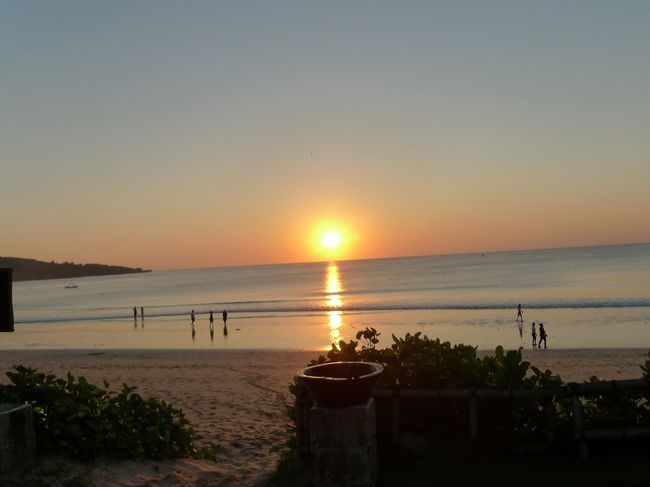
(71, 285)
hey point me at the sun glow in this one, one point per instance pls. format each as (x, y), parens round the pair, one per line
(331, 239)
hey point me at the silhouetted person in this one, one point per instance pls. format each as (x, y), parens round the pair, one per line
(135, 313)
(534, 334)
(142, 312)
(211, 320)
(542, 335)
(192, 316)
(224, 315)
(520, 313)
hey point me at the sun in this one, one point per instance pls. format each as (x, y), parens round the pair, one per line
(331, 240)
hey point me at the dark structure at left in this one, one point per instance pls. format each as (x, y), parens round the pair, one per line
(6, 301)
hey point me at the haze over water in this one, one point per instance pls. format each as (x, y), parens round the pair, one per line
(587, 297)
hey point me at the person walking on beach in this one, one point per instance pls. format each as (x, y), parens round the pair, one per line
(534, 334)
(135, 313)
(142, 312)
(542, 336)
(520, 313)
(224, 315)
(192, 316)
(211, 320)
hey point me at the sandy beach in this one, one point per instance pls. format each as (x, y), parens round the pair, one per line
(236, 399)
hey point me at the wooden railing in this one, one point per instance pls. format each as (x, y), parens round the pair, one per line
(574, 391)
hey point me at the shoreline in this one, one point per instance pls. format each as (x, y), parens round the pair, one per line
(486, 329)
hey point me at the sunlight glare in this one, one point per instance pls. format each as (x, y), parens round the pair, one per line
(335, 321)
(333, 287)
(331, 239)
(334, 301)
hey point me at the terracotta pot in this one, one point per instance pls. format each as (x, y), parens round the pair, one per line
(340, 384)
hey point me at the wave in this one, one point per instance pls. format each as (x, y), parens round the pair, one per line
(273, 308)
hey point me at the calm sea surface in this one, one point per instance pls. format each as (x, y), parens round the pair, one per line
(465, 296)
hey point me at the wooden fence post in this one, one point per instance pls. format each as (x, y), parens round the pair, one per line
(578, 420)
(6, 301)
(473, 416)
(303, 404)
(396, 413)
(298, 405)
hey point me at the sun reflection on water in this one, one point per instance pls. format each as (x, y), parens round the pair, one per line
(333, 302)
(334, 322)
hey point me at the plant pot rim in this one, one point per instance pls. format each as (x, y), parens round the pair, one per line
(376, 370)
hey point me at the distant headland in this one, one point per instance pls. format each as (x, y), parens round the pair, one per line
(31, 269)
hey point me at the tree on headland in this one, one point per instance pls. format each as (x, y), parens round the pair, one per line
(31, 269)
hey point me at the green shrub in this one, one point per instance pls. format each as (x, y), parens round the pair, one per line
(418, 362)
(505, 424)
(85, 420)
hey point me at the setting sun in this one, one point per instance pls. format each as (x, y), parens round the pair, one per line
(331, 239)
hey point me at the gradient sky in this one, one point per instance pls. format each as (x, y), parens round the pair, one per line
(198, 134)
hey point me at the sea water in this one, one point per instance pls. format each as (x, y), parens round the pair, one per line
(586, 297)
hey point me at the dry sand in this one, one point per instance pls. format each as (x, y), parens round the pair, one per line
(236, 400)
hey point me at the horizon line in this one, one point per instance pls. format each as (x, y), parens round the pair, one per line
(410, 256)
(536, 249)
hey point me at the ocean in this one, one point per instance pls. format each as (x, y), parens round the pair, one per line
(590, 297)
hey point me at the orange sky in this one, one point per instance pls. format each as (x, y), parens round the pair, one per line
(216, 134)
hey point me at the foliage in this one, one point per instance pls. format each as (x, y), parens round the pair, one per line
(617, 409)
(418, 362)
(86, 420)
(646, 367)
